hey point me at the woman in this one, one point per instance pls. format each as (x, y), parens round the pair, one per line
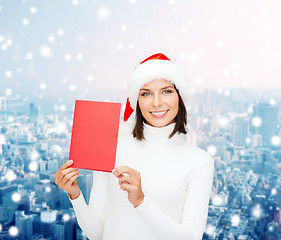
(161, 186)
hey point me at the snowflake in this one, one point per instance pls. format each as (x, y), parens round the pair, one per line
(16, 197)
(48, 189)
(72, 87)
(212, 150)
(2, 139)
(46, 51)
(210, 229)
(119, 46)
(8, 74)
(75, 2)
(235, 219)
(275, 140)
(62, 108)
(103, 13)
(60, 32)
(131, 45)
(124, 28)
(79, 56)
(90, 78)
(13, 231)
(8, 92)
(43, 86)
(28, 56)
(51, 39)
(33, 10)
(67, 57)
(217, 200)
(10, 175)
(25, 21)
(256, 121)
(66, 217)
(33, 166)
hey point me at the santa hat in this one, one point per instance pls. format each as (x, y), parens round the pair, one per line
(156, 66)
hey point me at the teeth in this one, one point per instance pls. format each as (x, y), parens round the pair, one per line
(159, 113)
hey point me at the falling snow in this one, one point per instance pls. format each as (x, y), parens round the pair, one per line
(72, 87)
(10, 175)
(103, 13)
(33, 166)
(51, 39)
(60, 32)
(66, 217)
(46, 51)
(16, 197)
(67, 57)
(2, 139)
(8, 74)
(33, 10)
(8, 92)
(25, 21)
(212, 150)
(13, 231)
(257, 122)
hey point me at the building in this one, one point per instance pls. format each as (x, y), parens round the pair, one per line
(264, 121)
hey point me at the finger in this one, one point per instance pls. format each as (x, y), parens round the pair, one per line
(126, 179)
(66, 164)
(66, 178)
(72, 179)
(62, 173)
(125, 169)
(128, 187)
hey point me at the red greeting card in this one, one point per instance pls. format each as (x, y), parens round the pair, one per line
(94, 135)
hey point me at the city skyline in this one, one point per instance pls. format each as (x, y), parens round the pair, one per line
(240, 132)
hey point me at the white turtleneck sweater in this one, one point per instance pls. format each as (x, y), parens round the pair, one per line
(176, 179)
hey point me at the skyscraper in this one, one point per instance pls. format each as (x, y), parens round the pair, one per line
(264, 121)
(240, 131)
(7, 206)
(34, 112)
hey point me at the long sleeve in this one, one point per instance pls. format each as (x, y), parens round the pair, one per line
(91, 217)
(195, 210)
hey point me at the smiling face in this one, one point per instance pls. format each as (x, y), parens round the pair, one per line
(159, 102)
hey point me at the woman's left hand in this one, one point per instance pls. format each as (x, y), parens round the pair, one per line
(130, 183)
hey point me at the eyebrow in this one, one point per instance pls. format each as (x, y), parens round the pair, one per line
(145, 89)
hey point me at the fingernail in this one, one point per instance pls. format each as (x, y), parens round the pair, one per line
(113, 171)
(70, 161)
(77, 170)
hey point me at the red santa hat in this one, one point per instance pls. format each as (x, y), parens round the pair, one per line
(156, 66)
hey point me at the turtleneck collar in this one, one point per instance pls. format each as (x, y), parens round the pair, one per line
(160, 133)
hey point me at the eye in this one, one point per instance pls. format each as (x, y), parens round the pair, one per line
(168, 91)
(145, 94)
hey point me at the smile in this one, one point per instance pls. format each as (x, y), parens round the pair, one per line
(159, 114)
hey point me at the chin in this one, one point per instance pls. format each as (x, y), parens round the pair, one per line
(158, 123)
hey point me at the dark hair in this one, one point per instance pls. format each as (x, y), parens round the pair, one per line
(180, 120)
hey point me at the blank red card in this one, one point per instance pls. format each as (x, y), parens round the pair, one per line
(94, 135)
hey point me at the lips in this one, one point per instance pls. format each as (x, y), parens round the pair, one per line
(159, 114)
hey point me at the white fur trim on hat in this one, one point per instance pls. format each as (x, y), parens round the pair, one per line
(157, 69)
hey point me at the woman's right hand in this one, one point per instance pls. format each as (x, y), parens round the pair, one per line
(66, 179)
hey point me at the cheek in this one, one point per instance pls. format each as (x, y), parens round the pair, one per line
(142, 104)
(174, 102)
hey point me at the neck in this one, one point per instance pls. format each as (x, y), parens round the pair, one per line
(152, 133)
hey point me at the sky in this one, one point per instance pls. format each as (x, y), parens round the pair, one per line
(53, 52)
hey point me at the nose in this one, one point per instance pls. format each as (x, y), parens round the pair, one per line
(157, 100)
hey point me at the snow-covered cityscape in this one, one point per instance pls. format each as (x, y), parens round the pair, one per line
(55, 52)
(241, 133)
